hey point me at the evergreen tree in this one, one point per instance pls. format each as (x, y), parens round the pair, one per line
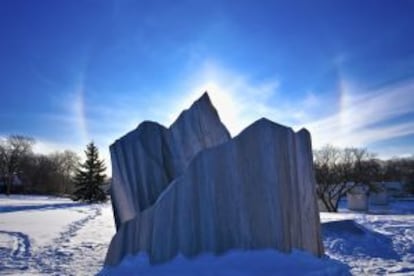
(90, 177)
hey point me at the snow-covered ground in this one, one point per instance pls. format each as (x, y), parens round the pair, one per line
(380, 242)
(49, 235)
(233, 263)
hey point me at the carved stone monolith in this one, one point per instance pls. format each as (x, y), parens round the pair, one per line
(191, 188)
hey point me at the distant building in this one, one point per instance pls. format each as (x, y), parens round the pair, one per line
(380, 195)
(357, 198)
(394, 188)
(385, 191)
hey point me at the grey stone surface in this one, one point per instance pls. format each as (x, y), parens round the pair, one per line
(146, 160)
(251, 192)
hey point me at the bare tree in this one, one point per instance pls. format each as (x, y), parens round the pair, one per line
(13, 150)
(66, 163)
(338, 171)
(51, 174)
(43, 175)
(402, 170)
(328, 176)
(39, 173)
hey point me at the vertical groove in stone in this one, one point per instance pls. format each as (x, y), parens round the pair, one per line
(147, 159)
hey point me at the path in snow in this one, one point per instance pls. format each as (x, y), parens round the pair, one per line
(7, 209)
(91, 242)
(57, 237)
(14, 250)
(61, 253)
(77, 248)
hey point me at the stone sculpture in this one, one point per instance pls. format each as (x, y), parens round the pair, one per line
(148, 158)
(191, 188)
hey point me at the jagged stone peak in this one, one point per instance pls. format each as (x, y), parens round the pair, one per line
(147, 124)
(165, 151)
(303, 130)
(267, 122)
(260, 125)
(201, 106)
(143, 125)
(202, 102)
(204, 99)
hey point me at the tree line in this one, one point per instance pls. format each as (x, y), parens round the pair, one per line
(339, 170)
(59, 173)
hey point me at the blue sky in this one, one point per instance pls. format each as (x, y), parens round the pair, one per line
(72, 71)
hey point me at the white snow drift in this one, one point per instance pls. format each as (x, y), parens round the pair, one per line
(58, 237)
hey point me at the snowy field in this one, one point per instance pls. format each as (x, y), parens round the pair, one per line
(380, 242)
(55, 236)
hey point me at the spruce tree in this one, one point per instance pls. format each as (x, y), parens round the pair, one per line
(90, 177)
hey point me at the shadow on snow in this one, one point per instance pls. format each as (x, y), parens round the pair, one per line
(8, 209)
(352, 239)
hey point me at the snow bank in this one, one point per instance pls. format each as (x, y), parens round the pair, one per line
(235, 262)
(31, 200)
(372, 244)
(63, 240)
